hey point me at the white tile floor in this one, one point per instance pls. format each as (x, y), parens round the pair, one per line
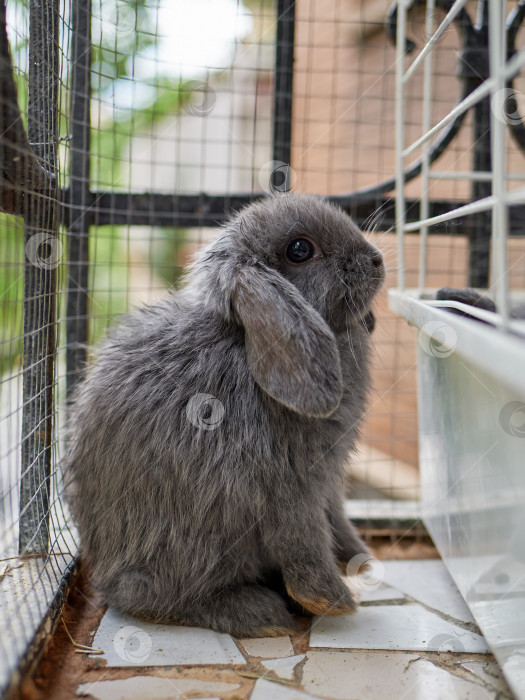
(268, 648)
(407, 627)
(430, 584)
(376, 676)
(412, 638)
(130, 642)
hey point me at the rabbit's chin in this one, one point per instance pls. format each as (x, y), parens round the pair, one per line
(357, 303)
(348, 315)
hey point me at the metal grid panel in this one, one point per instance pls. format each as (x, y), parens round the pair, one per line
(36, 547)
(496, 175)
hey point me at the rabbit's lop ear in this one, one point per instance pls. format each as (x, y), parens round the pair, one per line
(292, 353)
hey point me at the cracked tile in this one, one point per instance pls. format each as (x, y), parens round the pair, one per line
(267, 690)
(153, 688)
(268, 647)
(407, 627)
(284, 668)
(127, 641)
(376, 676)
(489, 673)
(428, 582)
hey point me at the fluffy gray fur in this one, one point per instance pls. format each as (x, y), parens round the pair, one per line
(471, 297)
(223, 515)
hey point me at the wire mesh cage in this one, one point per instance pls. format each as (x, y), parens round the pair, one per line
(34, 94)
(130, 130)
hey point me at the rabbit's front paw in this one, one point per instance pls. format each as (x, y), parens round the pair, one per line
(355, 563)
(330, 598)
(349, 549)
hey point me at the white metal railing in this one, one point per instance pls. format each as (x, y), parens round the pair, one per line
(501, 70)
(429, 21)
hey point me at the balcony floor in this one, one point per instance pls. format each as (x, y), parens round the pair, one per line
(412, 638)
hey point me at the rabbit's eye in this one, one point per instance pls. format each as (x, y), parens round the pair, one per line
(300, 250)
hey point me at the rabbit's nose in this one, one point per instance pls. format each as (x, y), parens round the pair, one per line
(364, 262)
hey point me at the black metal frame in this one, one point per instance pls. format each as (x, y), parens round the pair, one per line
(78, 196)
(28, 187)
(40, 284)
(154, 209)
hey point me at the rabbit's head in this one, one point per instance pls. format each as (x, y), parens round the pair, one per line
(293, 271)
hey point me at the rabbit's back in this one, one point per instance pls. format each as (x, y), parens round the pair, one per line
(170, 419)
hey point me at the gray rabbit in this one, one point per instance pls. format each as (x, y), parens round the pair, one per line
(208, 439)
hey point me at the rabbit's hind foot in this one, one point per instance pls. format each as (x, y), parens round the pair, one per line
(243, 611)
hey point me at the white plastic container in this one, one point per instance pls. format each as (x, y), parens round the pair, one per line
(471, 397)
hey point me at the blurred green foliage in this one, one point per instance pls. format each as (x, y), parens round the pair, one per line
(11, 289)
